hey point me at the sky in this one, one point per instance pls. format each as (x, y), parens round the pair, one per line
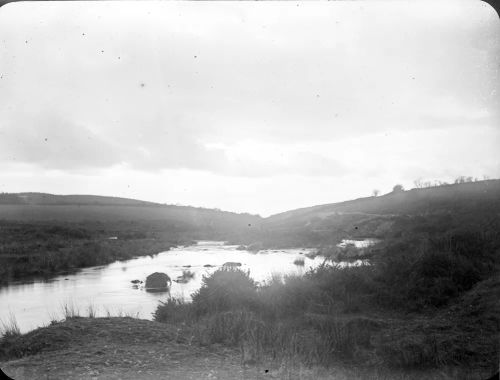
(256, 107)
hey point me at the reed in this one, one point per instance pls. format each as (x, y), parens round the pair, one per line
(9, 328)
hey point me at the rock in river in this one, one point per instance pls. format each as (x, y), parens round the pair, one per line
(231, 264)
(158, 280)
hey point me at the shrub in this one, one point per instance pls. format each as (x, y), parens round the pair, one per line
(173, 310)
(299, 262)
(226, 289)
(439, 277)
(286, 297)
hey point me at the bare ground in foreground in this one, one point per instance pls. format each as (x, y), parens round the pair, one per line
(127, 348)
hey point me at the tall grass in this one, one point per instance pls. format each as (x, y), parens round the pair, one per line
(10, 327)
(326, 316)
(70, 310)
(92, 310)
(284, 318)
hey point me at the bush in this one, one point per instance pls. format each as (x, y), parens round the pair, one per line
(439, 277)
(173, 310)
(226, 289)
(286, 297)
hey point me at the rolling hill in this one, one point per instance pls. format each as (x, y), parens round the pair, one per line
(465, 203)
(471, 203)
(51, 199)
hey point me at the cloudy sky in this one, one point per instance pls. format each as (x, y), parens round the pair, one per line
(246, 106)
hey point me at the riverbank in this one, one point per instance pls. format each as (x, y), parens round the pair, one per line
(43, 250)
(304, 319)
(236, 329)
(114, 287)
(127, 348)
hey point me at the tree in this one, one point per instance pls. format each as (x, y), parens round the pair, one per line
(463, 179)
(375, 192)
(398, 188)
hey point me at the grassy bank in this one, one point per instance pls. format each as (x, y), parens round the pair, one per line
(428, 300)
(303, 320)
(128, 348)
(30, 250)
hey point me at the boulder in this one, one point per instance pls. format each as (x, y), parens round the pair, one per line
(158, 280)
(231, 264)
(255, 247)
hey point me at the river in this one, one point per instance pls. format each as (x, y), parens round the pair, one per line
(108, 289)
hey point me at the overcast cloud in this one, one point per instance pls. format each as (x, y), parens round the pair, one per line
(246, 106)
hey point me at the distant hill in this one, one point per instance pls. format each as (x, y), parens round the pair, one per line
(51, 199)
(121, 214)
(415, 201)
(471, 203)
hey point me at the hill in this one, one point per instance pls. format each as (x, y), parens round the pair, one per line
(43, 234)
(52, 199)
(472, 203)
(445, 198)
(207, 223)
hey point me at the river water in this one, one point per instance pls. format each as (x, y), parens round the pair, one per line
(108, 289)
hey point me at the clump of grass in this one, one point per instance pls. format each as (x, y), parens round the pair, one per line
(70, 310)
(92, 311)
(173, 310)
(311, 255)
(187, 274)
(119, 313)
(299, 262)
(131, 314)
(53, 318)
(10, 327)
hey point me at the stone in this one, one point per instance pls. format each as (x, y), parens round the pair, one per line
(232, 264)
(158, 280)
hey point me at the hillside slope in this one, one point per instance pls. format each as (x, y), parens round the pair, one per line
(447, 198)
(53, 199)
(207, 223)
(473, 203)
